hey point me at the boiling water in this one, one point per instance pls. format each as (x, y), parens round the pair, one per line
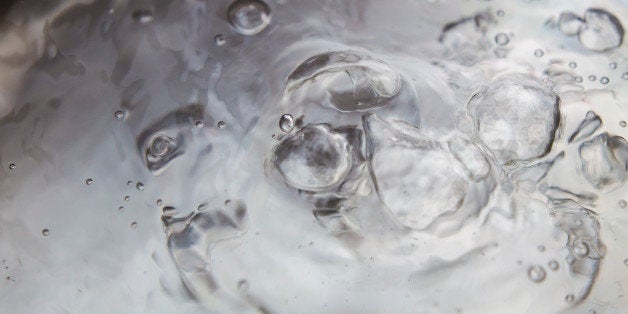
(314, 157)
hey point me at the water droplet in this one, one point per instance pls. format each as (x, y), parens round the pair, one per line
(142, 16)
(601, 30)
(134, 225)
(541, 248)
(12, 167)
(622, 204)
(569, 298)
(553, 265)
(45, 232)
(604, 80)
(118, 114)
(612, 65)
(573, 65)
(220, 40)
(121, 208)
(286, 123)
(569, 23)
(89, 181)
(127, 198)
(622, 124)
(199, 124)
(140, 186)
(501, 39)
(159, 202)
(538, 53)
(221, 124)
(592, 77)
(580, 248)
(536, 273)
(249, 17)
(243, 285)
(624, 76)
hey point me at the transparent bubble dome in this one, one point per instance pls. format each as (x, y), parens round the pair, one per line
(259, 156)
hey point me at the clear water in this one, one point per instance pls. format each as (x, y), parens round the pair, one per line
(314, 156)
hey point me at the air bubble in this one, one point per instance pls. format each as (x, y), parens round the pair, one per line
(243, 285)
(127, 198)
(538, 53)
(624, 76)
(613, 65)
(140, 186)
(581, 249)
(12, 167)
(129, 183)
(573, 65)
(604, 80)
(220, 40)
(500, 13)
(592, 78)
(134, 225)
(626, 262)
(199, 124)
(553, 265)
(159, 202)
(45, 232)
(142, 16)
(121, 208)
(221, 124)
(89, 181)
(622, 124)
(249, 17)
(286, 123)
(569, 298)
(622, 204)
(536, 273)
(501, 39)
(541, 248)
(579, 79)
(118, 114)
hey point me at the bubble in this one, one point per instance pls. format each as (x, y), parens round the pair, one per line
(541, 248)
(569, 23)
(622, 204)
(536, 273)
(127, 198)
(118, 114)
(515, 117)
(12, 166)
(168, 211)
(553, 265)
(199, 124)
(622, 124)
(159, 202)
(142, 16)
(501, 39)
(538, 53)
(592, 78)
(89, 181)
(313, 159)
(613, 65)
(134, 225)
(220, 40)
(249, 17)
(581, 249)
(500, 13)
(573, 65)
(221, 124)
(602, 30)
(121, 208)
(569, 298)
(578, 79)
(129, 183)
(626, 262)
(140, 186)
(45, 232)
(624, 76)
(604, 80)
(346, 81)
(286, 123)
(243, 285)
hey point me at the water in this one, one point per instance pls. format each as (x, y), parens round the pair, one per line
(314, 156)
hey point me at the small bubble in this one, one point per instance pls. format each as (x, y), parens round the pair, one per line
(134, 225)
(624, 76)
(622, 204)
(140, 186)
(541, 248)
(604, 80)
(249, 17)
(553, 265)
(243, 285)
(592, 77)
(501, 39)
(127, 198)
(569, 298)
(12, 167)
(311, 244)
(168, 211)
(220, 40)
(227, 202)
(286, 123)
(581, 249)
(45, 232)
(579, 79)
(89, 181)
(626, 262)
(129, 183)
(500, 13)
(573, 65)
(622, 124)
(199, 124)
(221, 124)
(121, 208)
(538, 53)
(118, 114)
(159, 202)
(142, 16)
(612, 65)
(536, 273)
